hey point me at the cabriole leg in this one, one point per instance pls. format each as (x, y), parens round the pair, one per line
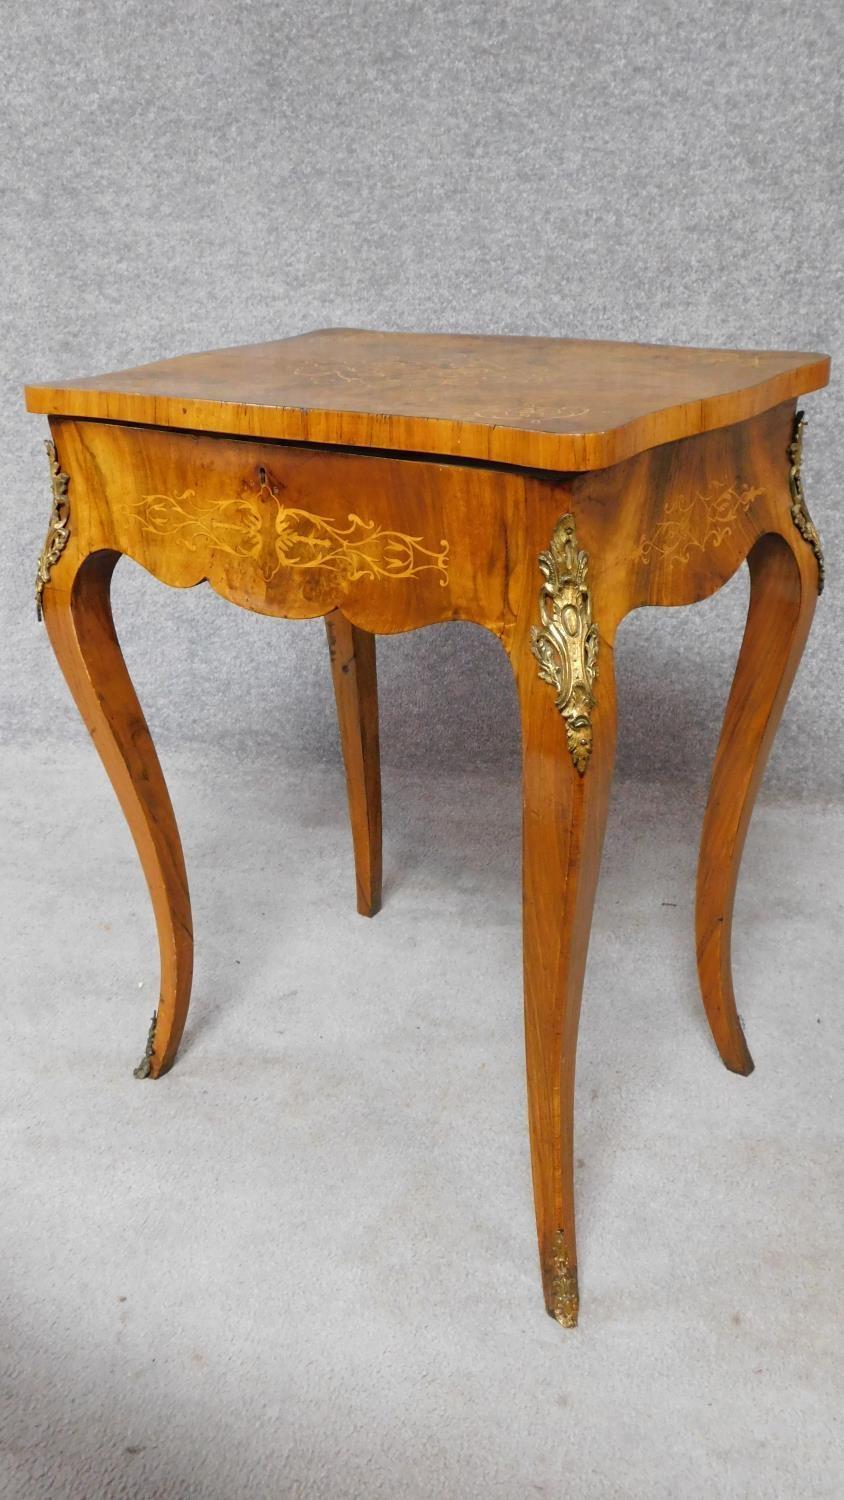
(567, 697)
(783, 592)
(77, 613)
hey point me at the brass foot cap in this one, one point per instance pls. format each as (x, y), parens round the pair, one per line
(563, 1295)
(144, 1067)
(566, 1317)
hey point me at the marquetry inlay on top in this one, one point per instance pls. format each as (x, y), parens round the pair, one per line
(540, 403)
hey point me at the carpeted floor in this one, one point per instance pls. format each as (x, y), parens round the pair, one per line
(303, 1264)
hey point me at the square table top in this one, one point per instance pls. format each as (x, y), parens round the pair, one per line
(544, 403)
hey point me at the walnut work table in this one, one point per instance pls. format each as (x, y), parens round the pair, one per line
(540, 487)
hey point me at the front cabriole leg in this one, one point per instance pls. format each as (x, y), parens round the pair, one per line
(73, 595)
(692, 512)
(783, 593)
(567, 698)
(786, 577)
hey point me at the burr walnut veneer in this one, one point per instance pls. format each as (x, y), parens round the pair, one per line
(540, 487)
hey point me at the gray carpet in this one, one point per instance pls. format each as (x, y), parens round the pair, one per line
(303, 1264)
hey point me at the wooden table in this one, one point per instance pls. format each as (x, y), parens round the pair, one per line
(540, 487)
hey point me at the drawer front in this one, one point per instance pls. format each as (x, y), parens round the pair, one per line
(297, 532)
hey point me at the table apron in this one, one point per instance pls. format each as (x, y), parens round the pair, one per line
(397, 543)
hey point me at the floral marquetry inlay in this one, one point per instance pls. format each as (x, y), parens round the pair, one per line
(276, 536)
(697, 522)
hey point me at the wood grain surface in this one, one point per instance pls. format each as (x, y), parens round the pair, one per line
(539, 403)
(352, 655)
(380, 543)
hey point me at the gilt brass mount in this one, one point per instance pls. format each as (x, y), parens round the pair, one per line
(58, 531)
(799, 511)
(566, 645)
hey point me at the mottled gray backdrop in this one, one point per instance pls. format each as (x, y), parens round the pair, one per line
(184, 176)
